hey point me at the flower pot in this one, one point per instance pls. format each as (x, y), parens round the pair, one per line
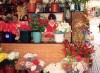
(36, 37)
(9, 37)
(1, 71)
(31, 7)
(33, 72)
(25, 36)
(59, 38)
(9, 69)
(54, 7)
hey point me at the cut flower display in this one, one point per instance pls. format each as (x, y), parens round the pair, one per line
(12, 58)
(77, 56)
(31, 63)
(63, 28)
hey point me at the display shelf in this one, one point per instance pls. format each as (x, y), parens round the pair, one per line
(50, 53)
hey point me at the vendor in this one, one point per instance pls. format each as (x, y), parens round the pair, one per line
(51, 27)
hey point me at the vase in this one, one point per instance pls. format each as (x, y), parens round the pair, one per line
(31, 7)
(9, 69)
(33, 72)
(59, 38)
(54, 7)
(1, 71)
(25, 36)
(9, 37)
(36, 37)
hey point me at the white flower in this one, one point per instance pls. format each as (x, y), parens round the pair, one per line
(41, 63)
(28, 55)
(63, 27)
(54, 68)
(33, 68)
(13, 55)
(34, 55)
(17, 54)
(45, 1)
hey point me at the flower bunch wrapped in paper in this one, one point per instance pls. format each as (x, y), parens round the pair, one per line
(77, 56)
(31, 63)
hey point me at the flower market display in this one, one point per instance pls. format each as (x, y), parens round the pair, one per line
(32, 63)
(77, 56)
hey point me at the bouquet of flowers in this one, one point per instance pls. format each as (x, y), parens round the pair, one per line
(12, 58)
(31, 63)
(63, 28)
(77, 56)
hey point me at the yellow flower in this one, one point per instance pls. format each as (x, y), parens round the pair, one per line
(3, 56)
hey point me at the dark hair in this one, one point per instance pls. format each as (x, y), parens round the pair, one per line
(51, 16)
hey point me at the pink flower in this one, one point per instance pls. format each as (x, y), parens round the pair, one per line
(22, 63)
(80, 67)
(28, 64)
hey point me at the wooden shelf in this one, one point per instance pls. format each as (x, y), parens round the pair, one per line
(50, 53)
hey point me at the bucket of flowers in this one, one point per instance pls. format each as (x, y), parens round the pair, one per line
(31, 63)
(61, 30)
(12, 59)
(77, 56)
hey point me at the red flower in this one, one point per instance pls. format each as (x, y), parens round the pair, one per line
(36, 62)
(66, 64)
(77, 50)
(78, 58)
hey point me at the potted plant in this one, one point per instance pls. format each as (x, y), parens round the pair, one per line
(9, 28)
(31, 63)
(77, 56)
(38, 24)
(60, 31)
(25, 31)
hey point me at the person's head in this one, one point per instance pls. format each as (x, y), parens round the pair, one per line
(52, 17)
